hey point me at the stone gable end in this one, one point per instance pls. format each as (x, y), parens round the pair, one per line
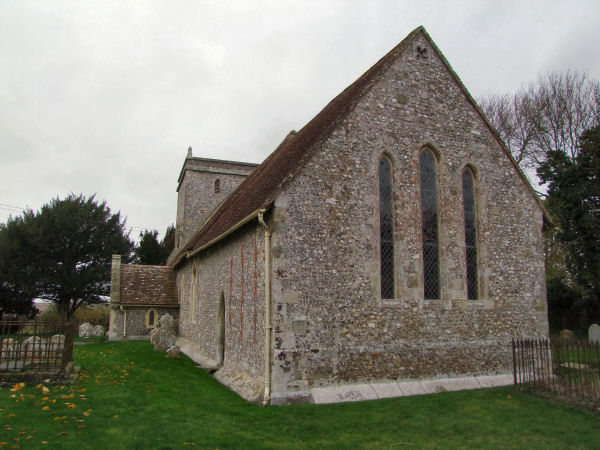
(331, 324)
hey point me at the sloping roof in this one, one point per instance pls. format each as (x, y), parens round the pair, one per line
(148, 285)
(262, 186)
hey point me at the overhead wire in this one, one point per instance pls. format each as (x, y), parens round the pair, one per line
(20, 209)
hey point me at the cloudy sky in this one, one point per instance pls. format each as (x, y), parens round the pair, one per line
(106, 96)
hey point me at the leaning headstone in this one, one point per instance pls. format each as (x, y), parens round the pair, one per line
(98, 330)
(85, 330)
(34, 347)
(173, 352)
(566, 335)
(164, 336)
(594, 333)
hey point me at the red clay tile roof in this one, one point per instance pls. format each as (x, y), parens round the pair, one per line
(148, 285)
(261, 187)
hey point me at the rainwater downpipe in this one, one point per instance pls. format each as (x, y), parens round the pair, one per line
(268, 324)
(124, 321)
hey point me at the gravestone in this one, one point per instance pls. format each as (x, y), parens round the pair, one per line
(164, 336)
(594, 333)
(173, 352)
(35, 347)
(98, 330)
(56, 344)
(9, 349)
(566, 335)
(85, 330)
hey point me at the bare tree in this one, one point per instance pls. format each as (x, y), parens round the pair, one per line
(550, 114)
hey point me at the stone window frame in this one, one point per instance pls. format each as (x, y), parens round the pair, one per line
(387, 157)
(436, 157)
(217, 185)
(483, 301)
(469, 169)
(154, 323)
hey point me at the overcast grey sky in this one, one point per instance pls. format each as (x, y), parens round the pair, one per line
(106, 96)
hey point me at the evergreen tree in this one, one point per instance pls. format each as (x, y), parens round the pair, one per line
(153, 252)
(574, 201)
(63, 252)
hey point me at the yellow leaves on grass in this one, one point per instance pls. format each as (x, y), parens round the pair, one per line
(45, 408)
(17, 387)
(44, 389)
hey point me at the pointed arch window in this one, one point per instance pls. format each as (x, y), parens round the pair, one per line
(470, 233)
(386, 228)
(217, 186)
(429, 224)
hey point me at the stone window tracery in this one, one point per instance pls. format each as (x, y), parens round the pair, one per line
(429, 225)
(470, 215)
(386, 228)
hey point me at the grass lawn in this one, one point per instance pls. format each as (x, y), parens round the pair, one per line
(129, 396)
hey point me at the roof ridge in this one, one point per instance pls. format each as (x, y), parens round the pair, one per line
(256, 191)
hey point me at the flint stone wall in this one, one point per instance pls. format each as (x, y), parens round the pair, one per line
(136, 321)
(235, 267)
(330, 323)
(196, 196)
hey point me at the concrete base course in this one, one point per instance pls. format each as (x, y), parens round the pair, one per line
(374, 391)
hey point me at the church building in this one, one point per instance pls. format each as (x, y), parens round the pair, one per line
(392, 239)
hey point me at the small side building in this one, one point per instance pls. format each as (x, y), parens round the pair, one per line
(139, 295)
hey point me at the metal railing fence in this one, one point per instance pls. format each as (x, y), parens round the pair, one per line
(567, 368)
(35, 346)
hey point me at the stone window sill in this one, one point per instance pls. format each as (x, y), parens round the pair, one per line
(463, 304)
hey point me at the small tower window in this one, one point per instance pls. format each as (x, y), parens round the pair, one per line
(217, 186)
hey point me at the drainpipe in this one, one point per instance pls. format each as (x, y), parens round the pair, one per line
(124, 321)
(268, 324)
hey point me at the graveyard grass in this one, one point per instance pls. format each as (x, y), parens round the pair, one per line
(129, 396)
